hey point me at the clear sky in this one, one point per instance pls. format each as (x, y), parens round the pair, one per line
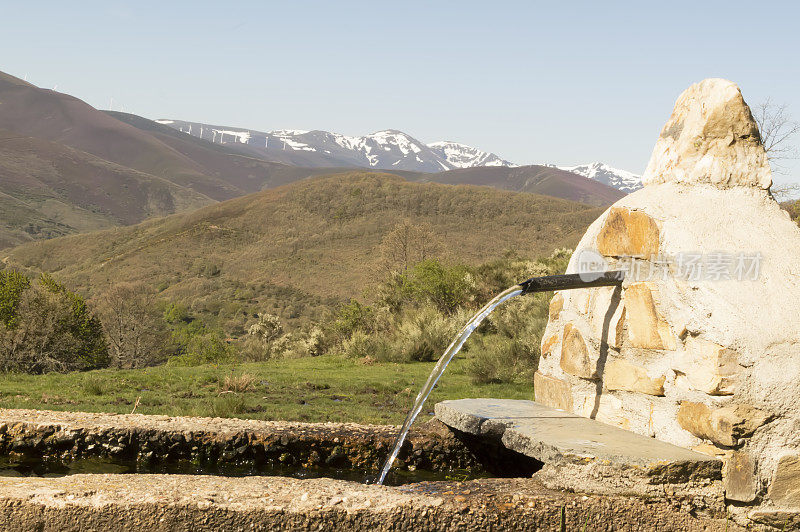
(535, 82)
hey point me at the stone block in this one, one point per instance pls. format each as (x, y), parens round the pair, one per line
(723, 426)
(741, 483)
(606, 409)
(628, 233)
(711, 137)
(548, 343)
(556, 305)
(646, 327)
(568, 440)
(552, 392)
(578, 300)
(709, 367)
(575, 358)
(784, 490)
(622, 375)
(602, 302)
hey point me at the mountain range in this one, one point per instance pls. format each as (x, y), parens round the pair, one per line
(620, 179)
(66, 167)
(386, 150)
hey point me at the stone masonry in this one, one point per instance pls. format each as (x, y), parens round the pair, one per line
(703, 355)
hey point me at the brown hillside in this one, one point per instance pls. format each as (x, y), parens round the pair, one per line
(534, 178)
(30, 111)
(299, 247)
(53, 184)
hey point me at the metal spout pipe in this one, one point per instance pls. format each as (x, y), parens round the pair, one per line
(571, 280)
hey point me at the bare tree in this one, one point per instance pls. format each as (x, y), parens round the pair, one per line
(136, 334)
(783, 192)
(408, 243)
(777, 129)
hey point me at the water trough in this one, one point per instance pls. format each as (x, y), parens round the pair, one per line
(260, 501)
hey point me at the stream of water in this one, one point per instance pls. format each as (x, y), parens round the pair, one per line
(441, 365)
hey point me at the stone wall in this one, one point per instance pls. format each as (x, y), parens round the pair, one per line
(221, 445)
(699, 360)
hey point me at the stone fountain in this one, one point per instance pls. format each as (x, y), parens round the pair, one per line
(700, 347)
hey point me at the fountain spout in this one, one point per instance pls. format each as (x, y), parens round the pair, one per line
(572, 280)
(532, 285)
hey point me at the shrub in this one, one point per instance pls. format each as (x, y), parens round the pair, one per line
(268, 328)
(175, 313)
(512, 350)
(313, 344)
(252, 349)
(95, 385)
(197, 344)
(12, 285)
(49, 328)
(423, 334)
(352, 316)
(362, 345)
(429, 281)
(497, 358)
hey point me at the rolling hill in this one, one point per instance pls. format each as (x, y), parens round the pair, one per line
(298, 249)
(245, 169)
(546, 180)
(29, 111)
(49, 189)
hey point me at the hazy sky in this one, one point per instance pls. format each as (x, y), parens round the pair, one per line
(535, 82)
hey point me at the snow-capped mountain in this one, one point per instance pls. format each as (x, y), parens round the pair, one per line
(388, 150)
(463, 156)
(620, 179)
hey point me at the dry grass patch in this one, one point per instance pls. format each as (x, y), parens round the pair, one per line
(237, 383)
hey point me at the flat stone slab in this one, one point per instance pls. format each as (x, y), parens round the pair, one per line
(557, 437)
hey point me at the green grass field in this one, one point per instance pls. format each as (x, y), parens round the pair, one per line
(325, 388)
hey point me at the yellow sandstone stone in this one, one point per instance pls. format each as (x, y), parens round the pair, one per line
(608, 329)
(723, 426)
(548, 344)
(628, 233)
(646, 328)
(556, 304)
(785, 487)
(575, 358)
(552, 392)
(741, 483)
(708, 367)
(622, 375)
